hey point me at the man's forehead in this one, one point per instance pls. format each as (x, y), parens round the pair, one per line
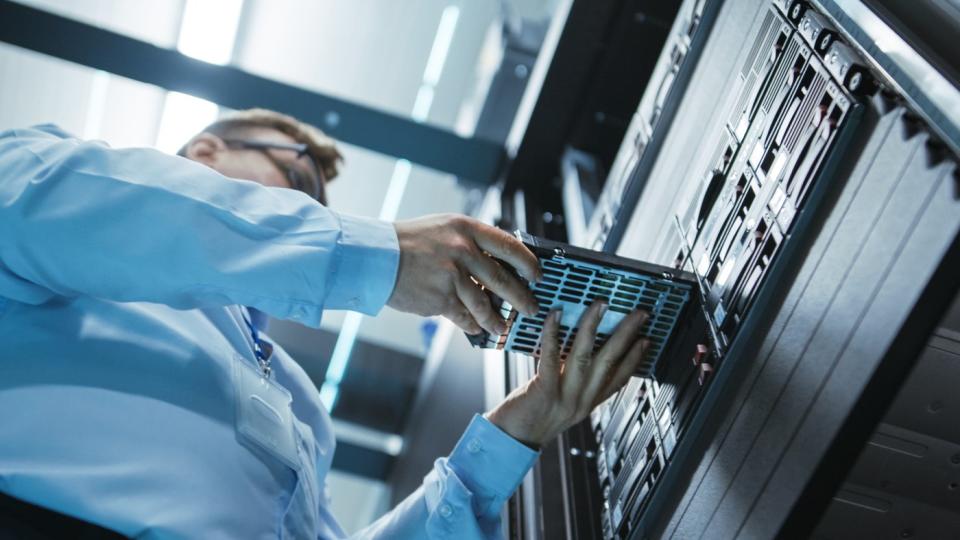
(267, 134)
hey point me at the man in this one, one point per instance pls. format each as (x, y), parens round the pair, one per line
(138, 393)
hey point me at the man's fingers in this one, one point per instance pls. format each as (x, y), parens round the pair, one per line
(581, 353)
(623, 337)
(460, 316)
(613, 354)
(624, 370)
(503, 283)
(508, 248)
(587, 329)
(549, 369)
(474, 299)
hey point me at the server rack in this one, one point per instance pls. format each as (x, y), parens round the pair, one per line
(785, 155)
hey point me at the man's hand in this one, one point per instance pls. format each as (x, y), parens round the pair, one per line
(442, 260)
(562, 394)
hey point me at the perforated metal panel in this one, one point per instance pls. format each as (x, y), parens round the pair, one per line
(574, 278)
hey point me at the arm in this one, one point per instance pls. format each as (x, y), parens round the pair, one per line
(463, 495)
(79, 218)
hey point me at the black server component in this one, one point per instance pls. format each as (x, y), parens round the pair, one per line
(786, 121)
(910, 465)
(782, 125)
(657, 106)
(573, 278)
(822, 197)
(594, 70)
(809, 361)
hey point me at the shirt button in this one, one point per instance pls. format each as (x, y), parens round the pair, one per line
(445, 510)
(474, 446)
(299, 314)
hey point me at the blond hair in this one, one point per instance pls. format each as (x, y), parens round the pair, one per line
(320, 147)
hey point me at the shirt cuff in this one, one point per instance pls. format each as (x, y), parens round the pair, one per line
(368, 256)
(489, 462)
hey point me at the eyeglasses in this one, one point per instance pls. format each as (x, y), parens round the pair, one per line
(311, 184)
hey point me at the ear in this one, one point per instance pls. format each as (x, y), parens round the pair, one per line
(205, 148)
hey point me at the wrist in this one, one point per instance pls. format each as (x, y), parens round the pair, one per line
(367, 253)
(516, 432)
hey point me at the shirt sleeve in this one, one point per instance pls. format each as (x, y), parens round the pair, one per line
(462, 497)
(80, 218)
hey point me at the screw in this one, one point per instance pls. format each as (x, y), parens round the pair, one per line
(955, 459)
(906, 533)
(559, 252)
(952, 486)
(667, 275)
(795, 12)
(855, 81)
(589, 454)
(825, 41)
(574, 451)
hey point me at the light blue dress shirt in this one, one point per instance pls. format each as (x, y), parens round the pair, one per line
(121, 273)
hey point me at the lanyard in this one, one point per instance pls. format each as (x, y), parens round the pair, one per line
(262, 349)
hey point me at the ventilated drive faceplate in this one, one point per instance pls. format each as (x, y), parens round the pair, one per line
(573, 278)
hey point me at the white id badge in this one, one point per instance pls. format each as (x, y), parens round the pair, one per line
(264, 416)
